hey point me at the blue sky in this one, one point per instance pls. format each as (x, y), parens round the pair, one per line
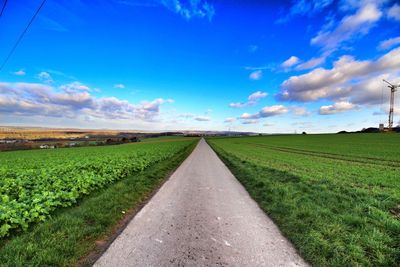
(314, 66)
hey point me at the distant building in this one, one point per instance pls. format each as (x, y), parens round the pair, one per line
(47, 146)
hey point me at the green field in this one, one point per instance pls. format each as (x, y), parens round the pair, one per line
(60, 196)
(336, 197)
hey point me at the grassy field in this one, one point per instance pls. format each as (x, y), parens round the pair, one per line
(337, 197)
(76, 196)
(165, 139)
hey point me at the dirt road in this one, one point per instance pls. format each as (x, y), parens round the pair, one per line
(202, 216)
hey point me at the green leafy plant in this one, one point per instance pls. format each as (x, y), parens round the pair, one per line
(34, 183)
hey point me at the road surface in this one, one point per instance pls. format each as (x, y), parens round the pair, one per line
(202, 216)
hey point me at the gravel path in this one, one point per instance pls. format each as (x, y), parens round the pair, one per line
(202, 216)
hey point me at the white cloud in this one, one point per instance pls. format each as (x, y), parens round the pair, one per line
(32, 99)
(389, 43)
(256, 96)
(265, 112)
(45, 77)
(186, 115)
(19, 73)
(300, 111)
(293, 60)
(229, 120)
(75, 87)
(119, 86)
(248, 116)
(251, 100)
(394, 12)
(305, 7)
(349, 27)
(202, 118)
(369, 90)
(268, 124)
(273, 111)
(238, 105)
(187, 9)
(250, 121)
(311, 63)
(147, 110)
(336, 108)
(256, 75)
(341, 80)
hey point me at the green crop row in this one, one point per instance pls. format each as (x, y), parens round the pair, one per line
(34, 183)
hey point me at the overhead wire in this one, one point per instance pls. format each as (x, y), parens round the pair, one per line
(4, 6)
(22, 35)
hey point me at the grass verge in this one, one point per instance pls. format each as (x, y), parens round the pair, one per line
(330, 225)
(73, 233)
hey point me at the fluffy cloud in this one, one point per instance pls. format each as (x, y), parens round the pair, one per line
(336, 108)
(148, 110)
(45, 77)
(186, 115)
(119, 86)
(251, 100)
(71, 101)
(75, 87)
(202, 118)
(349, 27)
(334, 35)
(187, 9)
(255, 75)
(250, 121)
(340, 81)
(265, 112)
(300, 111)
(190, 9)
(394, 12)
(273, 111)
(369, 90)
(254, 97)
(311, 63)
(293, 60)
(229, 120)
(305, 7)
(389, 43)
(238, 105)
(19, 73)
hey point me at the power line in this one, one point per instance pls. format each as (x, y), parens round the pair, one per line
(22, 35)
(4, 6)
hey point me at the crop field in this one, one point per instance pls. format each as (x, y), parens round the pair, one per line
(336, 197)
(34, 183)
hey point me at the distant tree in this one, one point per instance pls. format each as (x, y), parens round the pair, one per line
(303, 133)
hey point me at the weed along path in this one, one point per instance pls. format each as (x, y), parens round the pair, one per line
(202, 216)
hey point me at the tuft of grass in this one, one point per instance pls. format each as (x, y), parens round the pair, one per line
(335, 211)
(72, 233)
